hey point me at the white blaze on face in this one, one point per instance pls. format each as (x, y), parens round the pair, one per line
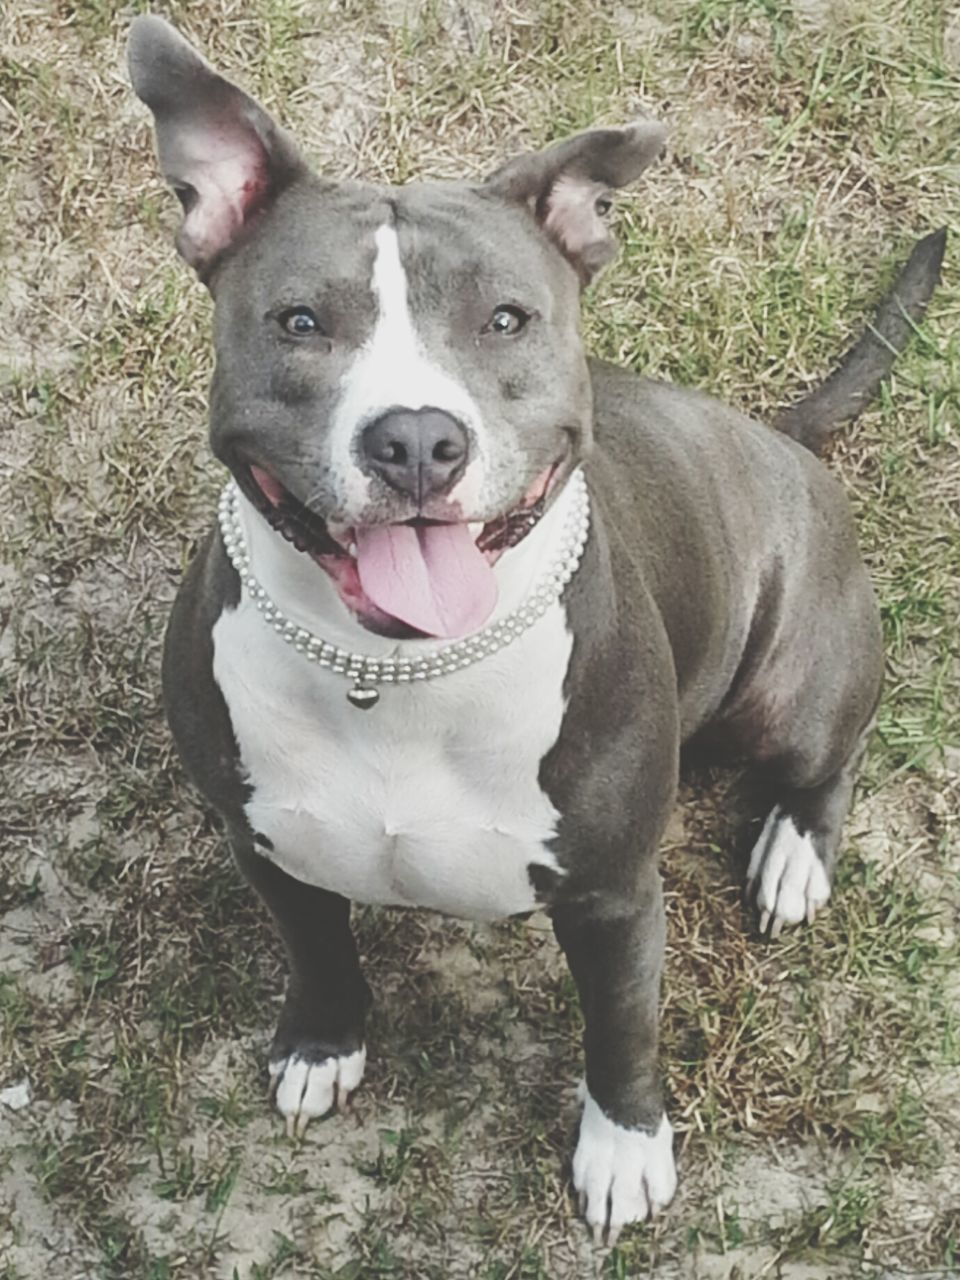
(393, 370)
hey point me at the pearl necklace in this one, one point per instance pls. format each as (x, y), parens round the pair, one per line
(367, 672)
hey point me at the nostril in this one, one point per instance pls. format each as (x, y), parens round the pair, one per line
(447, 451)
(390, 452)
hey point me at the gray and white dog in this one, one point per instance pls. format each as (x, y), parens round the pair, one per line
(470, 592)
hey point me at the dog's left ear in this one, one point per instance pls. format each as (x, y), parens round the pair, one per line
(566, 187)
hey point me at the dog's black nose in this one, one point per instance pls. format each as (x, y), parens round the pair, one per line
(421, 452)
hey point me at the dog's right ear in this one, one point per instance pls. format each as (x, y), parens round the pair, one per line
(224, 156)
(565, 187)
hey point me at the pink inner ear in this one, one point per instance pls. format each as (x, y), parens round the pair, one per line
(227, 168)
(572, 218)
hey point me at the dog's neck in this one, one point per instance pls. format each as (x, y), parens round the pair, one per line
(305, 594)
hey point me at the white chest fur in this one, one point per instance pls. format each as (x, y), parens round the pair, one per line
(430, 799)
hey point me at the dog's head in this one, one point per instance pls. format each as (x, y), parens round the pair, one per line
(400, 385)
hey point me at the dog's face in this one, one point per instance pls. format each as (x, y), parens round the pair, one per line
(400, 384)
(351, 302)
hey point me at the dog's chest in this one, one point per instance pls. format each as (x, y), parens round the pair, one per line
(430, 799)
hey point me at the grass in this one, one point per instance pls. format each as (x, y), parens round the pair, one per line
(813, 1083)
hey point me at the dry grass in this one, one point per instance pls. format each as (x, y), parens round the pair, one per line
(815, 1083)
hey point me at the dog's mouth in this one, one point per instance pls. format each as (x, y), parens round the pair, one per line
(414, 579)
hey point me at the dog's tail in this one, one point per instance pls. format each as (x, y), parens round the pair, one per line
(851, 387)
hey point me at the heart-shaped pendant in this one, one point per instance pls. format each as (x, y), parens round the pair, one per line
(363, 697)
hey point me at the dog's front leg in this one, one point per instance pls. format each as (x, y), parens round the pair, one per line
(318, 1052)
(623, 1168)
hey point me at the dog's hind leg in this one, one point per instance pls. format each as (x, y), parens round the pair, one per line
(804, 719)
(792, 863)
(318, 1052)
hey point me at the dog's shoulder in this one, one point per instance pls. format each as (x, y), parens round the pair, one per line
(195, 706)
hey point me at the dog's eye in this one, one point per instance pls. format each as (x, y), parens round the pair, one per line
(300, 321)
(603, 206)
(507, 320)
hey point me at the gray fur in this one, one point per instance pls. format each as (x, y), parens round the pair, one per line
(195, 707)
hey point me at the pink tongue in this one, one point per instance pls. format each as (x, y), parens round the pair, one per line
(430, 576)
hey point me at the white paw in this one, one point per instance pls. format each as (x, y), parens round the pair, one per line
(621, 1175)
(304, 1090)
(786, 875)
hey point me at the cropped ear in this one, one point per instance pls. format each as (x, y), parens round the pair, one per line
(566, 187)
(220, 151)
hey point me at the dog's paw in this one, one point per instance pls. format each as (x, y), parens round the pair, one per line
(305, 1088)
(621, 1175)
(786, 875)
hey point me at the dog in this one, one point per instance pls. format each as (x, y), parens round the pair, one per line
(470, 593)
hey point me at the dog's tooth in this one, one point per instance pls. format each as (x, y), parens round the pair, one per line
(476, 528)
(352, 548)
